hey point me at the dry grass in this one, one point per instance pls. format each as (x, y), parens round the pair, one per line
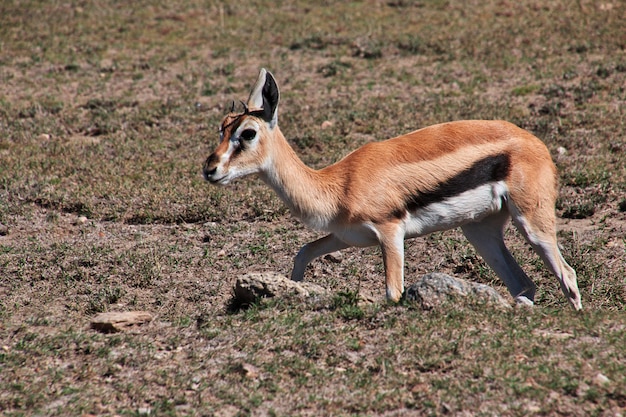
(106, 114)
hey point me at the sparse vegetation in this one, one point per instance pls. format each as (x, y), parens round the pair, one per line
(107, 112)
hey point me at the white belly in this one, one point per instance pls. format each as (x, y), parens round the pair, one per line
(452, 212)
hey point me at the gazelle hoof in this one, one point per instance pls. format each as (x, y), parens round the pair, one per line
(522, 300)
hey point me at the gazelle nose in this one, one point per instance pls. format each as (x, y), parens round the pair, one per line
(209, 168)
(209, 172)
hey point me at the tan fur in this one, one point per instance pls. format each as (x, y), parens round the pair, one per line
(362, 199)
(417, 161)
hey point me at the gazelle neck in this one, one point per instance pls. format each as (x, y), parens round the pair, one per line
(310, 195)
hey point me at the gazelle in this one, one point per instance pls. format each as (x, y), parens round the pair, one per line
(472, 174)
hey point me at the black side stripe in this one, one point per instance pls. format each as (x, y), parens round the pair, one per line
(490, 169)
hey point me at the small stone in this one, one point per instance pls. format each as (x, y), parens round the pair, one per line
(81, 220)
(561, 151)
(221, 253)
(117, 321)
(327, 124)
(250, 371)
(601, 379)
(552, 334)
(107, 65)
(43, 137)
(4, 230)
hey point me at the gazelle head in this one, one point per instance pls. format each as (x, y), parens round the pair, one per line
(243, 149)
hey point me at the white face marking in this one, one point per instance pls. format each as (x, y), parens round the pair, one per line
(229, 169)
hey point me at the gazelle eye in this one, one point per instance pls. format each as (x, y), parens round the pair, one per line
(248, 134)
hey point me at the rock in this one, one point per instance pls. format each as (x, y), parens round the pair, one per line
(326, 124)
(107, 65)
(118, 321)
(601, 379)
(247, 370)
(250, 287)
(435, 289)
(4, 230)
(81, 220)
(552, 334)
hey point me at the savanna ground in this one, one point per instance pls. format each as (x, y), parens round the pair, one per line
(107, 111)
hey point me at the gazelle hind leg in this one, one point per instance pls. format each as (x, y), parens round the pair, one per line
(487, 237)
(542, 237)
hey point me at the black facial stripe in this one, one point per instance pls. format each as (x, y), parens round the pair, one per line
(238, 149)
(490, 169)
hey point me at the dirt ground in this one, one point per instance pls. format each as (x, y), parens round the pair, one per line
(107, 113)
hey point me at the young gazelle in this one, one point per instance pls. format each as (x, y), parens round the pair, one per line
(472, 174)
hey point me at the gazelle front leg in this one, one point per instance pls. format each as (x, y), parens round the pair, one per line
(391, 238)
(312, 250)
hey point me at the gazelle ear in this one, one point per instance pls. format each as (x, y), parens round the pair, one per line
(263, 100)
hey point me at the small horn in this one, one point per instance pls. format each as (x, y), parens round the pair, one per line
(232, 107)
(245, 107)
